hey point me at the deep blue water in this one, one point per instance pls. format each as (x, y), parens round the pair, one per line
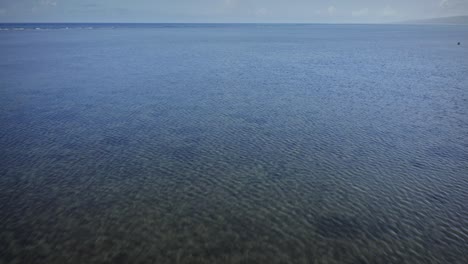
(179, 143)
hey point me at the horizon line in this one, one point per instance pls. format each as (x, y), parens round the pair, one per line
(226, 23)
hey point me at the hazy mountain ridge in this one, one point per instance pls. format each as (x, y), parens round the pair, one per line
(454, 20)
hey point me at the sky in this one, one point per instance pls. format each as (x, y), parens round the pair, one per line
(227, 11)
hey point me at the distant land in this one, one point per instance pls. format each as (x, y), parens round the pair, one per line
(453, 20)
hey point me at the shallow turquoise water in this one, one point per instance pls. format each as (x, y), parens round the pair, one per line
(233, 144)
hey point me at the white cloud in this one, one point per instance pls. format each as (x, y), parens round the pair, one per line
(331, 10)
(444, 3)
(230, 2)
(389, 12)
(360, 12)
(41, 5)
(3, 11)
(453, 4)
(48, 2)
(261, 12)
(318, 12)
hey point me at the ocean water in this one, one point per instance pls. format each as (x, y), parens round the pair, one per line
(176, 143)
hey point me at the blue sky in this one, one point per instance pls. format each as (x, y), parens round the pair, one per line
(327, 11)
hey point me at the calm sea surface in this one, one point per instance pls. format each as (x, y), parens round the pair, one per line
(233, 143)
